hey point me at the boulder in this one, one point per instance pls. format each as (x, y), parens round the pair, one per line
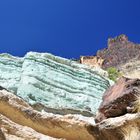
(118, 99)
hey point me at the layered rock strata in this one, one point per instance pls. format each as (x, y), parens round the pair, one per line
(58, 85)
(69, 127)
(10, 71)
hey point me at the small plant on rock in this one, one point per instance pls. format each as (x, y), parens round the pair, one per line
(113, 73)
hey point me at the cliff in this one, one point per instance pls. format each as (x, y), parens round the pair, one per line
(43, 96)
(119, 51)
(52, 83)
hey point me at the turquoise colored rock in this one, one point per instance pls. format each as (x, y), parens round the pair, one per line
(10, 71)
(54, 82)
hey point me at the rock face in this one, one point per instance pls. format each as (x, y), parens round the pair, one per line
(2, 137)
(131, 69)
(14, 131)
(119, 52)
(26, 123)
(119, 98)
(58, 85)
(10, 71)
(92, 61)
(46, 123)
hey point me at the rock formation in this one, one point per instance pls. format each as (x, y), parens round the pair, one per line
(19, 121)
(119, 52)
(44, 97)
(131, 69)
(58, 85)
(14, 131)
(91, 61)
(46, 123)
(10, 71)
(119, 99)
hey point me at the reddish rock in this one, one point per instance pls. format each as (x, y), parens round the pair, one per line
(118, 98)
(119, 52)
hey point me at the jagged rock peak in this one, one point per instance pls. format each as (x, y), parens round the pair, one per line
(121, 38)
(119, 52)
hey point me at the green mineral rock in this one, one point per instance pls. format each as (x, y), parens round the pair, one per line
(54, 83)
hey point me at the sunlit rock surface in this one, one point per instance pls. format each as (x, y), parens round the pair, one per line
(14, 131)
(10, 71)
(19, 121)
(61, 85)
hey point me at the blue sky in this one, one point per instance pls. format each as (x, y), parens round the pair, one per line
(68, 28)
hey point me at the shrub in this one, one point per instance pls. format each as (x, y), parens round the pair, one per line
(113, 73)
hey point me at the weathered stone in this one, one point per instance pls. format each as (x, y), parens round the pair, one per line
(119, 52)
(2, 137)
(118, 98)
(14, 131)
(18, 119)
(10, 71)
(57, 84)
(131, 69)
(57, 126)
(92, 61)
(126, 127)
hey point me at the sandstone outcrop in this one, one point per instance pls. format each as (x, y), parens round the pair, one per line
(119, 99)
(91, 61)
(14, 131)
(19, 121)
(69, 127)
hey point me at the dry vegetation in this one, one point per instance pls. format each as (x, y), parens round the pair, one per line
(131, 132)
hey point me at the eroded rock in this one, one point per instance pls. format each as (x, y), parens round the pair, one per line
(118, 98)
(56, 83)
(14, 131)
(70, 127)
(120, 51)
(2, 137)
(19, 121)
